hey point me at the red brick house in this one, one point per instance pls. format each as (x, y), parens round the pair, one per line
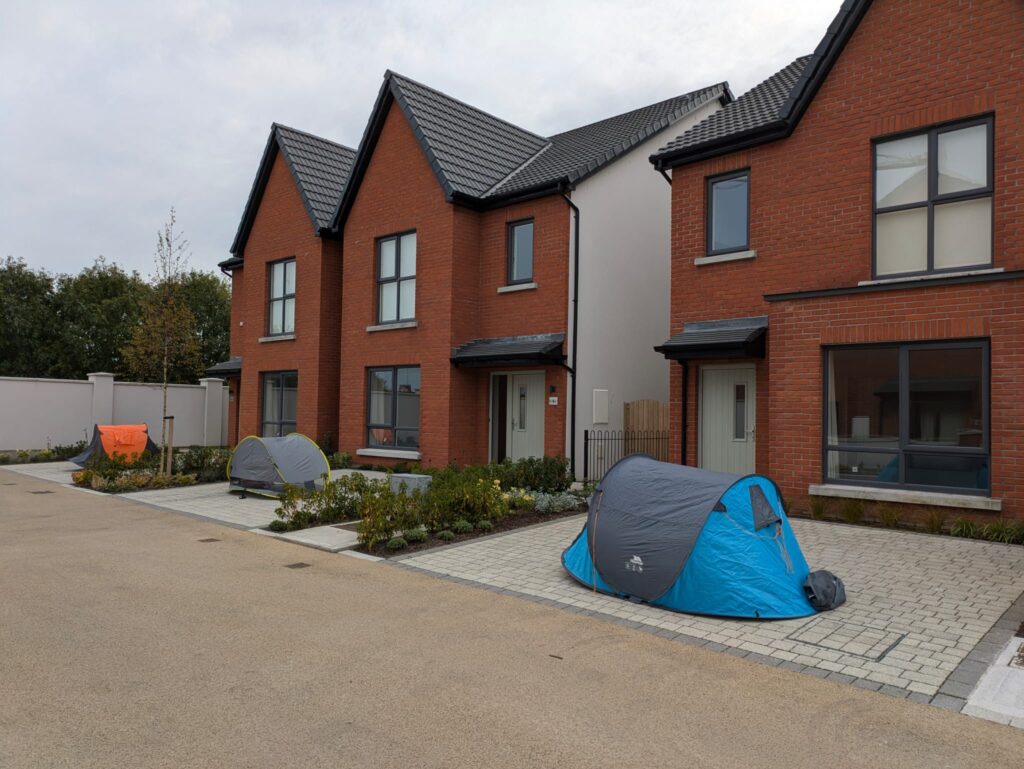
(847, 264)
(499, 284)
(285, 269)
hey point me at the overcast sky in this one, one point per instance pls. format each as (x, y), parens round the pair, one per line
(112, 112)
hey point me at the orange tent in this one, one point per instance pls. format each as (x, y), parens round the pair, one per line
(127, 440)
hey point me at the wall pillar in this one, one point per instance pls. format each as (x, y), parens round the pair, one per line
(213, 412)
(102, 397)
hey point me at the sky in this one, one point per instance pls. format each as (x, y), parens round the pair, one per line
(113, 112)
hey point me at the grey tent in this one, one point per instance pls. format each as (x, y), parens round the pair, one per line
(691, 540)
(266, 465)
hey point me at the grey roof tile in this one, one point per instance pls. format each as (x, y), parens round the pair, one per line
(761, 106)
(321, 168)
(509, 347)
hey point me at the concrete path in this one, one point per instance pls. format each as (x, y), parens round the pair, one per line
(918, 605)
(129, 638)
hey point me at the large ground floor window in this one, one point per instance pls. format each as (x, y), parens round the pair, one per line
(393, 414)
(280, 403)
(913, 415)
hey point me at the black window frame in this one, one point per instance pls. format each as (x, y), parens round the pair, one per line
(265, 376)
(709, 183)
(933, 197)
(510, 245)
(370, 425)
(273, 300)
(397, 278)
(905, 445)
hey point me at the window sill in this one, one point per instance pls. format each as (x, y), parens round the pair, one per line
(908, 496)
(932, 276)
(277, 338)
(388, 453)
(733, 256)
(392, 326)
(516, 287)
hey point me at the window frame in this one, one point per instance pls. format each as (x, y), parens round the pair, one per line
(265, 376)
(905, 445)
(709, 183)
(370, 426)
(510, 229)
(933, 196)
(397, 278)
(282, 299)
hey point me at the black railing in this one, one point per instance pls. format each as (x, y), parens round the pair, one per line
(603, 448)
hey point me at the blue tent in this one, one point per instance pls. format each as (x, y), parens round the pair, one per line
(691, 540)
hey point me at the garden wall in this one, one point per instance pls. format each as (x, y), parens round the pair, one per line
(37, 413)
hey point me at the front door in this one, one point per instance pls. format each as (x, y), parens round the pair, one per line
(727, 412)
(525, 415)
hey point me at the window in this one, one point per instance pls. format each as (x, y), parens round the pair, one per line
(396, 278)
(281, 312)
(393, 421)
(728, 213)
(912, 415)
(933, 200)
(520, 252)
(280, 403)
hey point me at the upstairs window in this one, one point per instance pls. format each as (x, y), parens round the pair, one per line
(520, 252)
(728, 209)
(933, 201)
(281, 310)
(396, 278)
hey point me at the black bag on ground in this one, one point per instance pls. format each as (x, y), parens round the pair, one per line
(824, 590)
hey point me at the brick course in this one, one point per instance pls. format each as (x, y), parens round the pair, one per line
(909, 65)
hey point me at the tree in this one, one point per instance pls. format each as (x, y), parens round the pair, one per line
(95, 313)
(166, 339)
(209, 298)
(26, 318)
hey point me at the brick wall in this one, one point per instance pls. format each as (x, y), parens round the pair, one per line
(909, 65)
(459, 266)
(282, 229)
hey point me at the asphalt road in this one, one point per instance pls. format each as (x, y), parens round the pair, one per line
(127, 642)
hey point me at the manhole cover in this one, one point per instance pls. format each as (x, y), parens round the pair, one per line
(856, 640)
(299, 565)
(1017, 660)
(209, 539)
(40, 492)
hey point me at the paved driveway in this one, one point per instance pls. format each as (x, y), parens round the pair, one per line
(130, 640)
(917, 605)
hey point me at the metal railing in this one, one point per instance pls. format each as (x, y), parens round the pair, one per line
(603, 448)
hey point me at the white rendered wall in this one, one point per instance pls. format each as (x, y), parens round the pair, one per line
(36, 413)
(625, 276)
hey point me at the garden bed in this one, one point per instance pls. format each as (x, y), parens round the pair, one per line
(121, 474)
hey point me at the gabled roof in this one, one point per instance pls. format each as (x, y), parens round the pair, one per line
(770, 110)
(482, 160)
(320, 168)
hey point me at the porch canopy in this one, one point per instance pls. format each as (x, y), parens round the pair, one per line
(535, 350)
(731, 338)
(230, 367)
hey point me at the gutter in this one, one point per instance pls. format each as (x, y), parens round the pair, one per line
(575, 328)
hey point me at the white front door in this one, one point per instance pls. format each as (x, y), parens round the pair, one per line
(727, 409)
(525, 415)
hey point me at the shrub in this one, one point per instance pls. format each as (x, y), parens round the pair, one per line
(935, 521)
(397, 543)
(1000, 530)
(484, 525)
(338, 500)
(455, 494)
(384, 513)
(207, 463)
(462, 526)
(965, 527)
(853, 511)
(279, 525)
(549, 504)
(819, 507)
(547, 474)
(889, 515)
(446, 535)
(519, 499)
(419, 534)
(138, 480)
(62, 451)
(340, 460)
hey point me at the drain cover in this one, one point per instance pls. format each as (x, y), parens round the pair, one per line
(298, 565)
(40, 492)
(208, 539)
